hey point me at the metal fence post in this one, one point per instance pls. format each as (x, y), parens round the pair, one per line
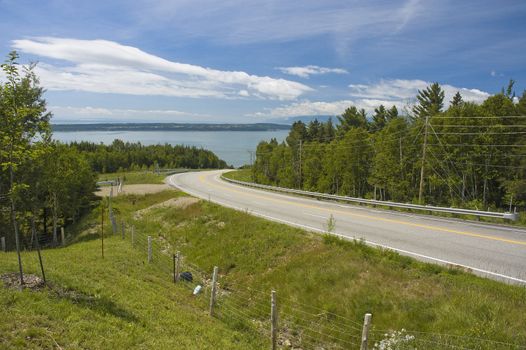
(133, 235)
(149, 248)
(123, 229)
(213, 292)
(3, 244)
(62, 236)
(365, 331)
(177, 265)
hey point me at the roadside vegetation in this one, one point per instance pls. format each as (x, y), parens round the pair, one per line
(474, 153)
(46, 185)
(121, 301)
(134, 177)
(133, 156)
(240, 175)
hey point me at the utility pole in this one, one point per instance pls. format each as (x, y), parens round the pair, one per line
(421, 189)
(401, 163)
(300, 182)
(251, 163)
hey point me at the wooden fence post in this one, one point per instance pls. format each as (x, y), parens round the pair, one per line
(273, 320)
(177, 265)
(113, 223)
(173, 256)
(365, 330)
(149, 248)
(63, 236)
(213, 292)
(3, 244)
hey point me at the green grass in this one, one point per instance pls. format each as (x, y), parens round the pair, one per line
(135, 177)
(127, 303)
(240, 175)
(119, 302)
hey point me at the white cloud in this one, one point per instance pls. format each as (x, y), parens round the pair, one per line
(400, 93)
(406, 90)
(109, 67)
(307, 108)
(306, 71)
(101, 114)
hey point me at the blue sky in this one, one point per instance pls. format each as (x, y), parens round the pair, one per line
(252, 61)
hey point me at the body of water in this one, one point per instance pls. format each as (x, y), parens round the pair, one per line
(231, 146)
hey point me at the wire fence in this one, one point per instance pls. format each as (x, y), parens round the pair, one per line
(298, 325)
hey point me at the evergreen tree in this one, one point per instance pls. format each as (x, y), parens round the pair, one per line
(457, 99)
(351, 118)
(379, 118)
(392, 113)
(430, 101)
(328, 131)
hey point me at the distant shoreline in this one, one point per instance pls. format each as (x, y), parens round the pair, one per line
(168, 127)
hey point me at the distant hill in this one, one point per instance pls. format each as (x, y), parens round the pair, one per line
(169, 127)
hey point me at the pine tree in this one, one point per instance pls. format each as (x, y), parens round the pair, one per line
(457, 99)
(352, 118)
(379, 119)
(392, 113)
(430, 101)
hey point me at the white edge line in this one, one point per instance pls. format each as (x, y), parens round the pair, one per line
(310, 228)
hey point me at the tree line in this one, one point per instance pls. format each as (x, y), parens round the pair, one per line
(469, 155)
(45, 184)
(122, 156)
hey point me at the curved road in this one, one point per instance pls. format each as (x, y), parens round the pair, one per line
(495, 251)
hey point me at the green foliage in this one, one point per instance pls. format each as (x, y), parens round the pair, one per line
(324, 275)
(121, 156)
(135, 177)
(430, 101)
(381, 158)
(240, 175)
(118, 302)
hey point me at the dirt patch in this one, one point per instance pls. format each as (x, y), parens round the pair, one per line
(180, 203)
(134, 189)
(12, 281)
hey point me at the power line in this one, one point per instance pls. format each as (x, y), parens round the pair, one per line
(479, 145)
(482, 133)
(492, 117)
(491, 165)
(480, 126)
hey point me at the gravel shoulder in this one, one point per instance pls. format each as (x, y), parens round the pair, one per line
(134, 189)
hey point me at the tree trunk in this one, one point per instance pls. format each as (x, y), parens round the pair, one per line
(35, 237)
(15, 226)
(55, 218)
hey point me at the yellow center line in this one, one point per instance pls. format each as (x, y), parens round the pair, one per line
(400, 222)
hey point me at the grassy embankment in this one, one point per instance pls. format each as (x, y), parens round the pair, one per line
(122, 302)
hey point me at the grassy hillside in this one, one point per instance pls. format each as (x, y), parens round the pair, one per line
(324, 287)
(119, 302)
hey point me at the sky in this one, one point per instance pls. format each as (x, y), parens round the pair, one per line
(247, 61)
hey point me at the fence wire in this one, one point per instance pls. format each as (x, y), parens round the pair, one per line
(246, 308)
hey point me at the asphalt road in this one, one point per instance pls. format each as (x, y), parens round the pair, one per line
(495, 251)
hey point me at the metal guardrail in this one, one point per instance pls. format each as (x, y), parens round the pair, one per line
(429, 208)
(108, 182)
